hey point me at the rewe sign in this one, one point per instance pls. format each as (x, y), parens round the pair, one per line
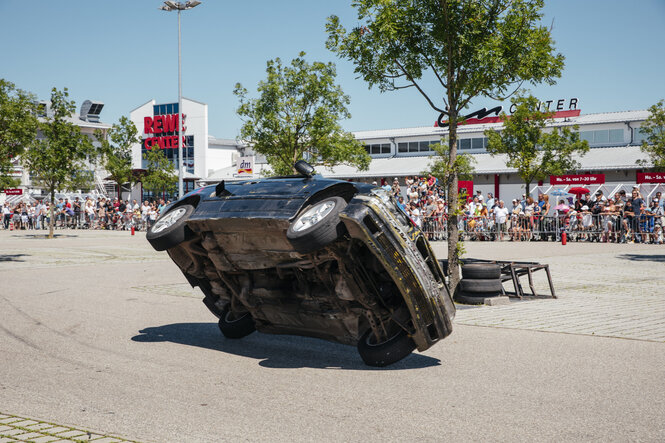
(164, 128)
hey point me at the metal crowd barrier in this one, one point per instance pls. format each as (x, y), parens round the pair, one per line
(577, 226)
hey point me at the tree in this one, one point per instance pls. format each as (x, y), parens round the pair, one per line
(58, 160)
(297, 117)
(654, 130)
(469, 48)
(18, 129)
(160, 175)
(116, 151)
(444, 171)
(534, 153)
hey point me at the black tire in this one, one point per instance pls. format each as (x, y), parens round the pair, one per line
(162, 238)
(481, 286)
(481, 271)
(321, 234)
(394, 349)
(233, 326)
(473, 298)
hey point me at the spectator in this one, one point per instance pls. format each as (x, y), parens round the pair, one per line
(500, 218)
(6, 215)
(490, 201)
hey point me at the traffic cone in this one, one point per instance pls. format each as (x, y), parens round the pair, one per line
(11, 226)
(132, 229)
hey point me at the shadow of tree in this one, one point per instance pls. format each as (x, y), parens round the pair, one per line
(12, 257)
(274, 351)
(660, 258)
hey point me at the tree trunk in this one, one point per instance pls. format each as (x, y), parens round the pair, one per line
(453, 203)
(527, 187)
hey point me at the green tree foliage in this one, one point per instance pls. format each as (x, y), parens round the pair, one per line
(444, 171)
(534, 153)
(654, 130)
(297, 117)
(116, 150)
(160, 175)
(58, 160)
(18, 129)
(469, 48)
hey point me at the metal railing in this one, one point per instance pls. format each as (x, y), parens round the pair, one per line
(583, 226)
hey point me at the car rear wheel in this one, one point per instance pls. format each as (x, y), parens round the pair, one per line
(171, 228)
(234, 325)
(386, 352)
(317, 225)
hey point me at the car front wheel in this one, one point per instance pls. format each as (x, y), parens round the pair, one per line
(171, 228)
(317, 225)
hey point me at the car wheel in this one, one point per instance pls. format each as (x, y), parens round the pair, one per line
(481, 271)
(484, 286)
(387, 352)
(317, 225)
(171, 229)
(235, 325)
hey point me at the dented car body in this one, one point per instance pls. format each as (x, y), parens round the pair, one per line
(310, 256)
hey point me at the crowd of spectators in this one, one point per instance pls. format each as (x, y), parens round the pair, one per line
(585, 217)
(91, 213)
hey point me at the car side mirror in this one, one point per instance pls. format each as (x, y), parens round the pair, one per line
(304, 168)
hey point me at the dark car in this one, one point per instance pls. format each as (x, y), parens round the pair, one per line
(310, 256)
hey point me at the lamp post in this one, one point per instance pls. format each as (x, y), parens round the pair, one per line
(177, 6)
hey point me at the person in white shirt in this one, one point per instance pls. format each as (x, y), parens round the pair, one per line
(500, 218)
(479, 196)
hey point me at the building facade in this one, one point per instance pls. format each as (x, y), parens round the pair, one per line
(158, 128)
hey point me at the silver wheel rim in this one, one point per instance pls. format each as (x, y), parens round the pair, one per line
(168, 220)
(313, 215)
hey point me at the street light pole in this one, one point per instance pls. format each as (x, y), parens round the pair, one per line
(177, 6)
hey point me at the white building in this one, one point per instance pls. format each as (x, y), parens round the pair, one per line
(202, 153)
(88, 121)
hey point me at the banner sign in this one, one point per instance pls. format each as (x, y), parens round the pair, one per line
(465, 188)
(579, 179)
(246, 165)
(14, 191)
(651, 177)
(481, 116)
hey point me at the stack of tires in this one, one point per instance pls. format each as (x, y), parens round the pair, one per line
(479, 282)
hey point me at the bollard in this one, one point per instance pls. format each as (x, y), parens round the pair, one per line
(132, 229)
(11, 225)
(563, 238)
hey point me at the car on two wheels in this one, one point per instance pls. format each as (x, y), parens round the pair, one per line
(310, 256)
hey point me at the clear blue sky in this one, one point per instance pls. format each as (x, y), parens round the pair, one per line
(124, 53)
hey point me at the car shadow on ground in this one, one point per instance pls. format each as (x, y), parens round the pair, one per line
(12, 257)
(646, 257)
(275, 351)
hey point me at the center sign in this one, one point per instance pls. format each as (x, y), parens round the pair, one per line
(163, 127)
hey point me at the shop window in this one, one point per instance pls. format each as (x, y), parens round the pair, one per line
(616, 136)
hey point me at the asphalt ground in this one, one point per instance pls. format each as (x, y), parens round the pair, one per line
(101, 334)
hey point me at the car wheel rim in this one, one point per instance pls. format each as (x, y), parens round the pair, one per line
(313, 215)
(168, 220)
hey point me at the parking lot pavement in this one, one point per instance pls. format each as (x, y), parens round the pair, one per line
(97, 331)
(21, 429)
(604, 290)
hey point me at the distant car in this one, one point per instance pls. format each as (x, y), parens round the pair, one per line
(310, 256)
